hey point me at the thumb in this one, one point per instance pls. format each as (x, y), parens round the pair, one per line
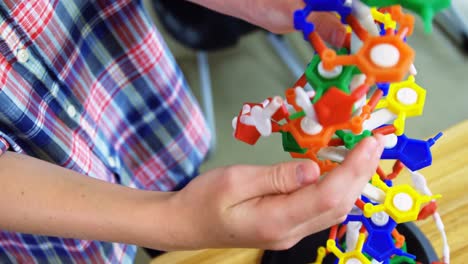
(282, 178)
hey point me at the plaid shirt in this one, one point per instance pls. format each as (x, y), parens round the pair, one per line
(91, 86)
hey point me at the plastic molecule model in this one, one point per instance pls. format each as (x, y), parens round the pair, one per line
(365, 88)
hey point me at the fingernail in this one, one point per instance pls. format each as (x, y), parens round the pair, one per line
(380, 145)
(300, 174)
(373, 143)
(380, 140)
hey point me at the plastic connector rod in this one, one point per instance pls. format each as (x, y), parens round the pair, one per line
(352, 234)
(336, 154)
(245, 119)
(413, 70)
(309, 123)
(303, 100)
(391, 140)
(373, 193)
(433, 140)
(420, 184)
(364, 14)
(441, 228)
(261, 117)
(379, 118)
(245, 110)
(355, 44)
(356, 82)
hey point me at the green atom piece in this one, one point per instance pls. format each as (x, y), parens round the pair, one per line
(350, 140)
(402, 260)
(426, 9)
(297, 115)
(340, 77)
(290, 144)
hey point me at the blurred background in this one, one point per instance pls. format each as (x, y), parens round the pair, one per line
(251, 70)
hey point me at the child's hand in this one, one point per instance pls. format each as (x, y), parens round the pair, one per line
(270, 207)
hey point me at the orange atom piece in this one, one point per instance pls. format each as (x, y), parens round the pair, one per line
(324, 165)
(291, 98)
(404, 20)
(381, 58)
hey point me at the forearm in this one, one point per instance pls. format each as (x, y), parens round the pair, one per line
(236, 8)
(40, 198)
(277, 16)
(273, 15)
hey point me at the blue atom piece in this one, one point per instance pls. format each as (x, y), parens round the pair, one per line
(415, 154)
(382, 30)
(384, 87)
(300, 16)
(379, 243)
(301, 23)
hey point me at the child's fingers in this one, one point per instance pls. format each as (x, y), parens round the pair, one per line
(353, 174)
(329, 27)
(334, 196)
(248, 182)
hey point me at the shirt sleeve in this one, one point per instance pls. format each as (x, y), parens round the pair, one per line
(6, 143)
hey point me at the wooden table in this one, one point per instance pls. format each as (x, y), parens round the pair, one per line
(447, 176)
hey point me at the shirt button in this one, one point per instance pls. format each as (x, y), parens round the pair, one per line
(54, 90)
(71, 111)
(22, 55)
(112, 162)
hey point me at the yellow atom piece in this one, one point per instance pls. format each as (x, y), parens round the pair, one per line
(321, 253)
(385, 19)
(402, 202)
(355, 257)
(405, 99)
(348, 28)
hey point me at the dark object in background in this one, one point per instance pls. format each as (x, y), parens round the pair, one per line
(306, 250)
(454, 24)
(199, 28)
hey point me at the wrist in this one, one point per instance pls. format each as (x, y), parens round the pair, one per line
(178, 223)
(154, 220)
